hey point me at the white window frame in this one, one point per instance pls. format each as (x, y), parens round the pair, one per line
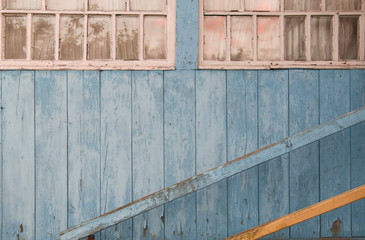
(256, 64)
(85, 64)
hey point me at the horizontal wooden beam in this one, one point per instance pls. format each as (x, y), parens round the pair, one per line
(301, 215)
(214, 175)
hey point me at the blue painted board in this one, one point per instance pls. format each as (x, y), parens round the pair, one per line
(1, 160)
(335, 151)
(18, 155)
(357, 78)
(51, 153)
(304, 162)
(242, 139)
(273, 126)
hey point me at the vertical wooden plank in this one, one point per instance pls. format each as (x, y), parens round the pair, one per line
(84, 146)
(211, 152)
(304, 162)
(116, 146)
(18, 155)
(242, 139)
(148, 160)
(1, 151)
(187, 29)
(51, 153)
(179, 148)
(335, 151)
(357, 78)
(273, 126)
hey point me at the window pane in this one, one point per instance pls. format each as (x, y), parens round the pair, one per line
(71, 37)
(321, 38)
(215, 38)
(155, 37)
(15, 37)
(268, 42)
(348, 38)
(158, 5)
(127, 38)
(23, 4)
(295, 38)
(343, 4)
(43, 37)
(99, 37)
(241, 38)
(106, 5)
(65, 4)
(303, 5)
(262, 5)
(223, 5)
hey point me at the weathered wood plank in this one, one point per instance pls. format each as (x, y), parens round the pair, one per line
(84, 146)
(18, 155)
(148, 160)
(215, 175)
(1, 158)
(273, 125)
(335, 151)
(179, 148)
(357, 79)
(242, 139)
(211, 151)
(304, 162)
(116, 147)
(51, 153)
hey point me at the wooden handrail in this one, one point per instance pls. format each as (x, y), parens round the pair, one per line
(214, 175)
(301, 215)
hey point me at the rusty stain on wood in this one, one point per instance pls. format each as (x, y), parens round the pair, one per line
(21, 228)
(90, 237)
(336, 227)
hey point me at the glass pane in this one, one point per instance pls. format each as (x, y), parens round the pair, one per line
(98, 37)
(155, 37)
(303, 5)
(23, 4)
(71, 37)
(157, 5)
(262, 5)
(127, 38)
(222, 5)
(321, 38)
(106, 5)
(215, 38)
(43, 37)
(65, 5)
(268, 42)
(343, 5)
(15, 37)
(348, 38)
(295, 38)
(241, 38)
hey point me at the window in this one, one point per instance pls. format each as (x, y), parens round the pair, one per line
(259, 34)
(87, 34)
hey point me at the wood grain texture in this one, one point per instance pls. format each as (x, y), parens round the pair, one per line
(116, 147)
(51, 153)
(242, 139)
(273, 125)
(304, 162)
(18, 155)
(335, 151)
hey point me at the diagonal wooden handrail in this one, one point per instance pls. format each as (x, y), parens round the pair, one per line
(301, 215)
(214, 175)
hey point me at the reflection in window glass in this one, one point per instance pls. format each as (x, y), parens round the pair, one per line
(15, 37)
(154, 5)
(65, 4)
(268, 42)
(99, 37)
(23, 4)
(106, 5)
(222, 5)
(43, 37)
(348, 38)
(346, 5)
(295, 38)
(303, 5)
(215, 38)
(155, 37)
(127, 38)
(321, 38)
(71, 37)
(262, 5)
(241, 38)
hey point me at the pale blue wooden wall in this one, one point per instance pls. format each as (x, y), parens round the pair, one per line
(76, 144)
